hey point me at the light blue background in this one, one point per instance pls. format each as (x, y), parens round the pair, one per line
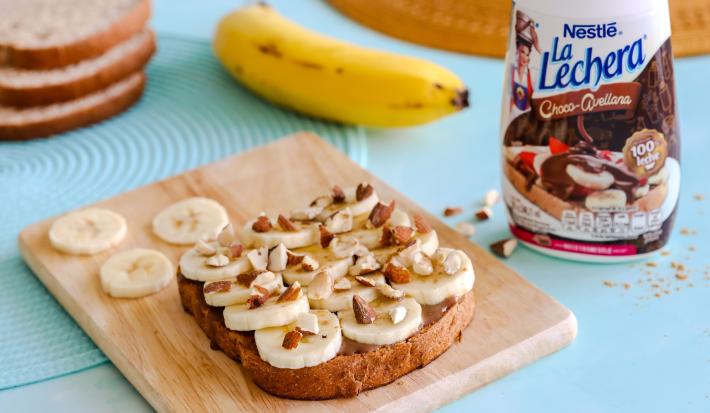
(634, 352)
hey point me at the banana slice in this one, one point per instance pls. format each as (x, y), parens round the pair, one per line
(193, 265)
(270, 314)
(304, 234)
(439, 285)
(383, 331)
(311, 350)
(342, 300)
(364, 206)
(190, 220)
(88, 231)
(229, 292)
(135, 273)
(598, 181)
(327, 261)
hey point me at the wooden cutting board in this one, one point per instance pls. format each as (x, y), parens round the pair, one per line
(162, 351)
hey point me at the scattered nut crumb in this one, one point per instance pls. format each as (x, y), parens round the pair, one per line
(651, 264)
(451, 211)
(609, 283)
(465, 228)
(627, 286)
(687, 231)
(698, 197)
(681, 276)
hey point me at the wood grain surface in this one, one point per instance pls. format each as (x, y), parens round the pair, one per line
(165, 355)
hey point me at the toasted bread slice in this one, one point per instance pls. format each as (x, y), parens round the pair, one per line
(47, 120)
(556, 206)
(46, 34)
(342, 376)
(24, 88)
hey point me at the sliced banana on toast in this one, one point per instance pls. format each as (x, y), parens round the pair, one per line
(135, 273)
(382, 330)
(273, 311)
(190, 220)
(88, 231)
(308, 350)
(342, 298)
(204, 266)
(223, 293)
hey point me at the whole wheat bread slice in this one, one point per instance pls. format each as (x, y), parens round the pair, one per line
(24, 88)
(43, 121)
(46, 34)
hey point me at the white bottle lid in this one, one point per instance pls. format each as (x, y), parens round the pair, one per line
(580, 9)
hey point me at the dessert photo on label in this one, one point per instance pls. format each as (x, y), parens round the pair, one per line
(590, 137)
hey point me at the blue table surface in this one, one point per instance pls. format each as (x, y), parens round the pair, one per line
(634, 351)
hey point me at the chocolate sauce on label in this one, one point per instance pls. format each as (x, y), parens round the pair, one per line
(589, 129)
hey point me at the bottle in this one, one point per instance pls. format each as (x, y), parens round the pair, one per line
(591, 167)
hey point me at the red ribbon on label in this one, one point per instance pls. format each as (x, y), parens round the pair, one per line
(615, 96)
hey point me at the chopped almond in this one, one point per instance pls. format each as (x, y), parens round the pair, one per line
(402, 234)
(363, 191)
(257, 300)
(423, 226)
(294, 259)
(484, 213)
(247, 278)
(381, 213)
(235, 250)
(286, 224)
(338, 195)
(366, 281)
(218, 287)
(291, 339)
(364, 314)
(397, 274)
(451, 211)
(262, 224)
(291, 293)
(504, 248)
(325, 236)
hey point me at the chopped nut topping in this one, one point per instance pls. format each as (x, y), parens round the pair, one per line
(451, 211)
(402, 235)
(205, 249)
(423, 226)
(286, 224)
(422, 265)
(218, 260)
(338, 195)
(366, 281)
(325, 236)
(321, 287)
(247, 278)
(278, 258)
(259, 258)
(345, 247)
(217, 287)
(291, 293)
(257, 300)
(363, 191)
(389, 292)
(308, 263)
(397, 274)
(262, 224)
(341, 221)
(484, 214)
(364, 265)
(381, 213)
(235, 250)
(307, 324)
(263, 279)
(453, 263)
(227, 236)
(343, 284)
(294, 259)
(504, 248)
(465, 228)
(291, 339)
(397, 314)
(364, 314)
(306, 214)
(258, 289)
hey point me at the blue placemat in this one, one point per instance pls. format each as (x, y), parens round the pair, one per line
(192, 113)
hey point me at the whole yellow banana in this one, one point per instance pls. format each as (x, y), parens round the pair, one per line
(324, 77)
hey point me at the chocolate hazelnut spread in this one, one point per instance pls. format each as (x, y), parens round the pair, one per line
(589, 129)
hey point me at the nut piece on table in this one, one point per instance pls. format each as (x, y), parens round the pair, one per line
(504, 248)
(465, 228)
(452, 211)
(484, 214)
(491, 198)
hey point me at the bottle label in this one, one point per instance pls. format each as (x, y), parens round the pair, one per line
(589, 133)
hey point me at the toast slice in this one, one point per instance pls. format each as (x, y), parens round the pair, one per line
(24, 88)
(346, 375)
(16, 124)
(46, 34)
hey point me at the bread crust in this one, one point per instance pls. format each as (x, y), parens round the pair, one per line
(66, 54)
(84, 117)
(22, 97)
(342, 376)
(555, 206)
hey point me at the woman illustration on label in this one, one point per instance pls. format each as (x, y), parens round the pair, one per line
(521, 80)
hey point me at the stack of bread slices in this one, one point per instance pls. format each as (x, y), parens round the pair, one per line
(69, 63)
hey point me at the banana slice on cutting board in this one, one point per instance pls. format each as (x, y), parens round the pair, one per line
(190, 220)
(272, 313)
(88, 231)
(301, 235)
(229, 292)
(326, 261)
(343, 299)
(194, 266)
(311, 349)
(382, 331)
(445, 281)
(135, 273)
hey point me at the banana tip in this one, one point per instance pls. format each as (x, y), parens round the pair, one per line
(461, 99)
